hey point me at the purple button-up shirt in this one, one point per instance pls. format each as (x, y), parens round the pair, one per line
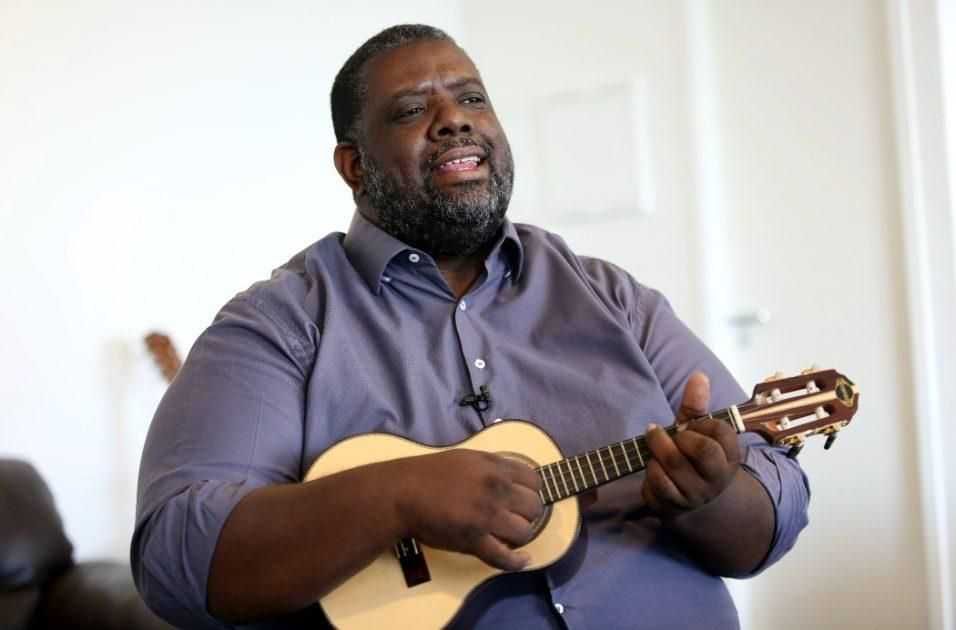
(359, 333)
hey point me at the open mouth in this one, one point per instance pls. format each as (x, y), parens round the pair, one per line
(467, 163)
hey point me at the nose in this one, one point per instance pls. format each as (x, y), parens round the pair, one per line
(450, 120)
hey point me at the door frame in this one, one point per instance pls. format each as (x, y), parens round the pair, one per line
(915, 29)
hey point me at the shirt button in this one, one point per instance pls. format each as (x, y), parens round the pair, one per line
(413, 257)
(480, 364)
(558, 606)
(463, 306)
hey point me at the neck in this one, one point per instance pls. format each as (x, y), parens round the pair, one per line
(461, 272)
(578, 474)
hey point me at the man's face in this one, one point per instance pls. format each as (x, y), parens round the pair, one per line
(437, 166)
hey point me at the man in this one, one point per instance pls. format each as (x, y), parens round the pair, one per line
(430, 318)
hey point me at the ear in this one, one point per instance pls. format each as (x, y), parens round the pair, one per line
(348, 163)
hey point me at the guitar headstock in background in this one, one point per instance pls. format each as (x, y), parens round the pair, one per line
(788, 410)
(164, 353)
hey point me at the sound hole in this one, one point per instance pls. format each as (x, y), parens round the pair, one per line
(542, 521)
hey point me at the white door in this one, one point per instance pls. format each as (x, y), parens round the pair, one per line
(809, 203)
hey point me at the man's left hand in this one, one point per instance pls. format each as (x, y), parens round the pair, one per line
(694, 466)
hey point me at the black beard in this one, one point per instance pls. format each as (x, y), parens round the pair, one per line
(455, 223)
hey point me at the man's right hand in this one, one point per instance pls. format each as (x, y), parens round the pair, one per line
(469, 501)
(283, 546)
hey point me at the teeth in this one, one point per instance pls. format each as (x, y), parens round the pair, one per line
(473, 158)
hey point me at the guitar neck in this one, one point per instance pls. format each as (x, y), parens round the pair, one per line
(574, 475)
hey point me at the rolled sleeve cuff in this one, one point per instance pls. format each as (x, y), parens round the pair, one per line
(173, 547)
(789, 492)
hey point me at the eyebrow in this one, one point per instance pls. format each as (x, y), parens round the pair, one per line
(426, 88)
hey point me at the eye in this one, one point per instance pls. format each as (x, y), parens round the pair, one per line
(474, 99)
(409, 111)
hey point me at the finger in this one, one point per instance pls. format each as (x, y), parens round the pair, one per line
(587, 499)
(704, 453)
(696, 398)
(496, 553)
(512, 529)
(521, 473)
(680, 472)
(654, 504)
(723, 434)
(661, 493)
(525, 502)
(665, 451)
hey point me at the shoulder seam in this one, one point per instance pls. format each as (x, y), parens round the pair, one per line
(298, 346)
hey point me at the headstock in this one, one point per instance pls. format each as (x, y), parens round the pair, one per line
(788, 410)
(164, 353)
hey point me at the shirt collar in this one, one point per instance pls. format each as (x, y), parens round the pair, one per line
(370, 249)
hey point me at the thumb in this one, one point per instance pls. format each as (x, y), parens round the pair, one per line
(696, 398)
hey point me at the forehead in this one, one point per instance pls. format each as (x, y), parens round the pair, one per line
(416, 66)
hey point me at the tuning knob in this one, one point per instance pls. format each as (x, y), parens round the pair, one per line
(776, 376)
(794, 451)
(810, 370)
(830, 440)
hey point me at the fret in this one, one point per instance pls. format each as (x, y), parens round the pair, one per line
(637, 447)
(567, 490)
(574, 480)
(584, 482)
(645, 452)
(587, 456)
(571, 472)
(614, 461)
(627, 460)
(548, 482)
(603, 467)
(554, 484)
(547, 486)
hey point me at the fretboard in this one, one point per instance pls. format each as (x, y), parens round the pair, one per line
(572, 476)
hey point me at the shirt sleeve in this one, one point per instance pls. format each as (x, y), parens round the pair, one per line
(674, 353)
(230, 422)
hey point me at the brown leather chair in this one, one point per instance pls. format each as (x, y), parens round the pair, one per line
(41, 587)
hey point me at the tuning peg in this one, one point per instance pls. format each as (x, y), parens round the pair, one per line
(776, 376)
(830, 440)
(810, 370)
(794, 451)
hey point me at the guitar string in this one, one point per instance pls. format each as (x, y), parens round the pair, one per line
(628, 462)
(624, 460)
(622, 464)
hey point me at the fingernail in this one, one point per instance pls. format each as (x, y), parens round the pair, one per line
(651, 427)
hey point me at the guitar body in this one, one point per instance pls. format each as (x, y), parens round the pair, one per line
(378, 596)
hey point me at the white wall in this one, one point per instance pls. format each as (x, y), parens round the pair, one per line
(530, 53)
(155, 159)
